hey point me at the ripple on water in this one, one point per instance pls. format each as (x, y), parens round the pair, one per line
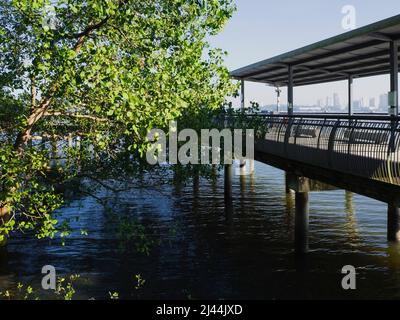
(203, 250)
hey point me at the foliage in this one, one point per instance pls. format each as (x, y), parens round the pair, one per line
(114, 295)
(101, 71)
(241, 119)
(132, 233)
(64, 290)
(33, 200)
(140, 282)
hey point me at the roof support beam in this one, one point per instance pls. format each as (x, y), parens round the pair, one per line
(359, 58)
(320, 70)
(333, 53)
(380, 36)
(326, 80)
(319, 57)
(344, 71)
(367, 72)
(256, 73)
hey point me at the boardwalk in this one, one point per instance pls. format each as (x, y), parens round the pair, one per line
(358, 153)
(366, 148)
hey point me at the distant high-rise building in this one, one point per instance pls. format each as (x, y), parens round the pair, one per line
(357, 104)
(383, 101)
(372, 103)
(336, 100)
(328, 102)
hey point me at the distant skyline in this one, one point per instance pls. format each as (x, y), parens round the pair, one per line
(262, 29)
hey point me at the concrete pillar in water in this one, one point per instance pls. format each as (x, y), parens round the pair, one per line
(251, 165)
(214, 170)
(196, 182)
(214, 179)
(246, 167)
(287, 183)
(393, 223)
(301, 222)
(242, 167)
(228, 181)
(288, 192)
(228, 195)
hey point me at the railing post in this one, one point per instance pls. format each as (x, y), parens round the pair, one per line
(351, 128)
(296, 132)
(392, 141)
(331, 142)
(287, 136)
(319, 135)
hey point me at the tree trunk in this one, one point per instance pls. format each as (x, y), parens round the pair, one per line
(36, 114)
(4, 217)
(4, 210)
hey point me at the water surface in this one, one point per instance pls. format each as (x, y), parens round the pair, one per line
(200, 249)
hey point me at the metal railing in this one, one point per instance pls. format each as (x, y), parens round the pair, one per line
(363, 145)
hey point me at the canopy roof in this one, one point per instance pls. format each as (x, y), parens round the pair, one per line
(361, 52)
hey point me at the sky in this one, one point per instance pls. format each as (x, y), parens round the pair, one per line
(261, 29)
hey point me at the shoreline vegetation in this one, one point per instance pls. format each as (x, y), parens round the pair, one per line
(102, 73)
(66, 289)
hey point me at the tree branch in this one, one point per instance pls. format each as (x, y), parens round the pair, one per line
(74, 115)
(38, 112)
(91, 28)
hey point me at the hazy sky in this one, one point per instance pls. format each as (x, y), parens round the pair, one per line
(261, 29)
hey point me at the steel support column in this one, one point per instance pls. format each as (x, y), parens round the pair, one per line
(394, 91)
(394, 78)
(242, 97)
(290, 90)
(242, 106)
(350, 95)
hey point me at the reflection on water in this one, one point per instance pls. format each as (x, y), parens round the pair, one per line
(204, 247)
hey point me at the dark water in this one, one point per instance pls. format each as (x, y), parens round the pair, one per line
(198, 249)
